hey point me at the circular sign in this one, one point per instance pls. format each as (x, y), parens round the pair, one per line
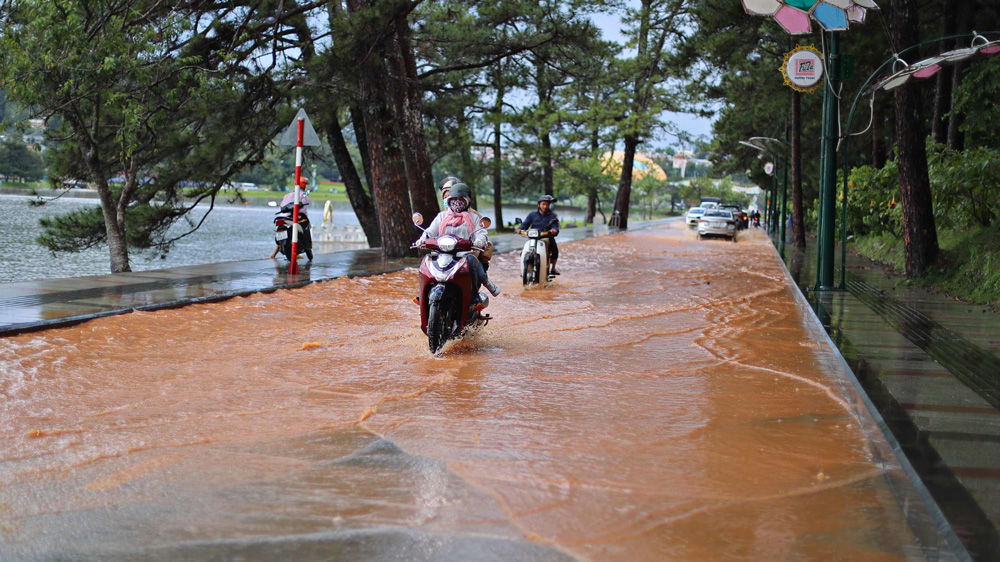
(769, 168)
(803, 69)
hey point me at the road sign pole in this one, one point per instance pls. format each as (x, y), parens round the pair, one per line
(293, 267)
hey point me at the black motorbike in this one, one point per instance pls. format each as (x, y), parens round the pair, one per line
(283, 232)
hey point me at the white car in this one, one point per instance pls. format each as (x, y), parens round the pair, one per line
(693, 214)
(717, 222)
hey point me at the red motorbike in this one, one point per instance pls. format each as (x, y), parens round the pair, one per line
(445, 290)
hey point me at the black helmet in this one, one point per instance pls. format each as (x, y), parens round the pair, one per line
(448, 182)
(460, 190)
(548, 198)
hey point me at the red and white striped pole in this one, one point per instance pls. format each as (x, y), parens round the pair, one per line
(293, 267)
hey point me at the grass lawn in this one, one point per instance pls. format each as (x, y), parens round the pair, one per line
(968, 266)
(325, 192)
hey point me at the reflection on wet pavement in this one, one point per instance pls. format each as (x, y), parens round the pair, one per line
(664, 399)
(928, 362)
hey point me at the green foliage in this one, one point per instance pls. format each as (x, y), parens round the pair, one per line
(873, 201)
(969, 266)
(145, 92)
(966, 185)
(581, 176)
(976, 99)
(74, 231)
(18, 161)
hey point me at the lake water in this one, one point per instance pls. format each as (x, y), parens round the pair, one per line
(230, 233)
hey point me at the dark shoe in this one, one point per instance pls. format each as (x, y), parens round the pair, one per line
(553, 272)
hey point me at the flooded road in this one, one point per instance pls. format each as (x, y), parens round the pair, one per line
(665, 399)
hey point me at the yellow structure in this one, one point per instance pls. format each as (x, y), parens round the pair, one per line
(641, 166)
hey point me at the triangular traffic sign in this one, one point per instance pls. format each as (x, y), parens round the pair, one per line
(291, 134)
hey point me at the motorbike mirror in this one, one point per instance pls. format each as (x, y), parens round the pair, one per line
(485, 222)
(272, 203)
(418, 219)
(517, 221)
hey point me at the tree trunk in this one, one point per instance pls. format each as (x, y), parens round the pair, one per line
(919, 232)
(497, 161)
(591, 206)
(114, 222)
(362, 203)
(798, 215)
(955, 139)
(418, 166)
(942, 91)
(595, 145)
(358, 121)
(547, 180)
(878, 153)
(497, 179)
(384, 147)
(963, 13)
(622, 199)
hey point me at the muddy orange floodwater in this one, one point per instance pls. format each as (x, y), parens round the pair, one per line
(664, 400)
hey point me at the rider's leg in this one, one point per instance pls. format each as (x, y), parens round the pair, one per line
(480, 278)
(553, 256)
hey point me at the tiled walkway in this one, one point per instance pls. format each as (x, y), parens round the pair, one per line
(931, 365)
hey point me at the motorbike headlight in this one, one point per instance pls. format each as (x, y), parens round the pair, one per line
(532, 233)
(447, 243)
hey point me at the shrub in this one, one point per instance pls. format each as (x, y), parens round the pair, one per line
(873, 201)
(966, 185)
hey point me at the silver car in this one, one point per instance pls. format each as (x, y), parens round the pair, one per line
(693, 214)
(717, 222)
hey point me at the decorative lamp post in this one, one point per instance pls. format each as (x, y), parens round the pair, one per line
(833, 16)
(981, 47)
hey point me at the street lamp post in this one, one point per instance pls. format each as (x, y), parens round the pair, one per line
(833, 16)
(828, 165)
(778, 150)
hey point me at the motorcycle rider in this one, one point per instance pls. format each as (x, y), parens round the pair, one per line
(545, 219)
(289, 199)
(458, 221)
(445, 187)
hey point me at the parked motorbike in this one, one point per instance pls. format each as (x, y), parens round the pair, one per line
(535, 258)
(445, 289)
(283, 232)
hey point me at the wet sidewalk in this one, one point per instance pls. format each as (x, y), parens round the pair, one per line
(33, 305)
(931, 365)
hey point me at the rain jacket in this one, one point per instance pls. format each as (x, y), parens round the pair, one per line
(536, 219)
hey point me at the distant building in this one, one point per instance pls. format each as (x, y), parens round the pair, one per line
(642, 166)
(35, 133)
